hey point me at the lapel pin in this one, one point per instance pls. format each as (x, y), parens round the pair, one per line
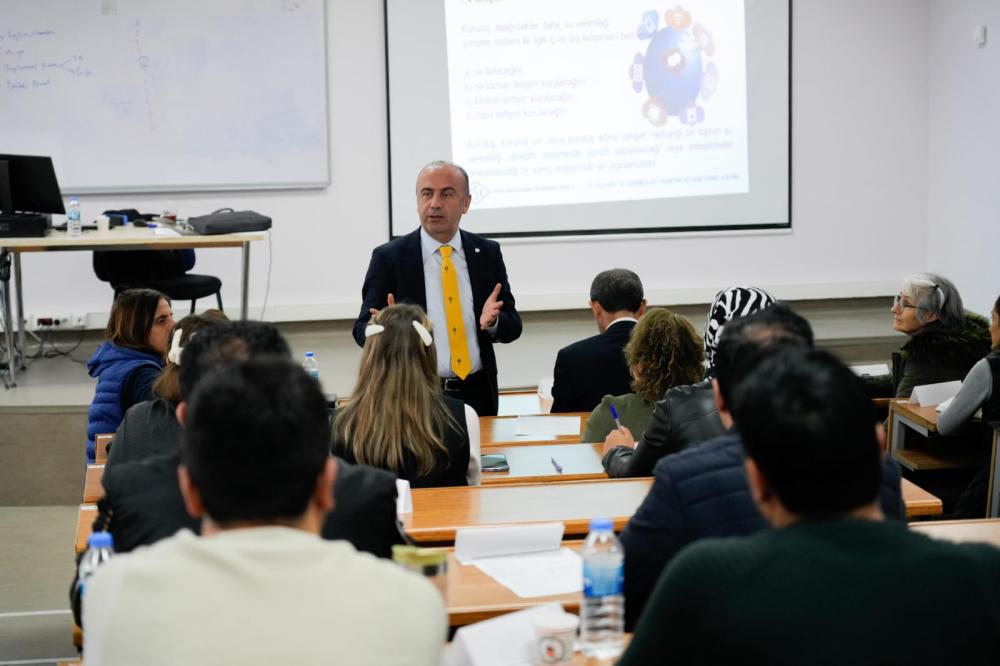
(477, 250)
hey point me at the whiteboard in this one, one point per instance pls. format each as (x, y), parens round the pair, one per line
(148, 95)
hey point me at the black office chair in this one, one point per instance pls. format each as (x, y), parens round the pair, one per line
(162, 270)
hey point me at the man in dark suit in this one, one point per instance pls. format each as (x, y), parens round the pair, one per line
(590, 369)
(459, 278)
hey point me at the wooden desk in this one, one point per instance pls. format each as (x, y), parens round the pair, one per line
(986, 530)
(439, 512)
(473, 596)
(903, 416)
(118, 238)
(101, 447)
(521, 403)
(92, 488)
(919, 502)
(499, 431)
(84, 523)
(533, 464)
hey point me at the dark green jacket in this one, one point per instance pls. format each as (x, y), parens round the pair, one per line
(937, 353)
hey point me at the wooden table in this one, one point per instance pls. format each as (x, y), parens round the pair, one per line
(92, 488)
(499, 431)
(85, 518)
(119, 238)
(439, 512)
(533, 464)
(521, 403)
(985, 530)
(903, 416)
(101, 447)
(473, 596)
(919, 502)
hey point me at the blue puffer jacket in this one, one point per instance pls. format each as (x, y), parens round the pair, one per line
(703, 492)
(111, 364)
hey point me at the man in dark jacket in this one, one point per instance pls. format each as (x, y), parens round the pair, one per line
(702, 491)
(590, 369)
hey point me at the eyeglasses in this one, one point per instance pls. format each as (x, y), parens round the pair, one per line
(898, 302)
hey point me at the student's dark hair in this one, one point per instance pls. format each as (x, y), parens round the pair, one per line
(617, 289)
(132, 315)
(256, 438)
(744, 337)
(809, 425)
(227, 343)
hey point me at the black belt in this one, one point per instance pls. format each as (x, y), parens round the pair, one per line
(453, 384)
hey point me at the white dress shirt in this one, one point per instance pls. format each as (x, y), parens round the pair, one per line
(435, 301)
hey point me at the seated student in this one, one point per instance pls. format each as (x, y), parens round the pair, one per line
(129, 361)
(589, 369)
(142, 500)
(664, 351)
(686, 414)
(944, 341)
(702, 491)
(150, 427)
(980, 390)
(259, 586)
(833, 583)
(398, 419)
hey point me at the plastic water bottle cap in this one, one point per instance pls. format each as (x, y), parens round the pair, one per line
(73, 200)
(310, 354)
(100, 540)
(601, 525)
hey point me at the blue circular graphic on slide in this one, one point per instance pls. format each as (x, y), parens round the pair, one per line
(672, 69)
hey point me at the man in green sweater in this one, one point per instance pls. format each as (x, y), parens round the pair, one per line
(833, 583)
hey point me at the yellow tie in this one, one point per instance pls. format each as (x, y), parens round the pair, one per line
(457, 343)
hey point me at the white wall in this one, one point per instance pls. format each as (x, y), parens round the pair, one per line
(963, 199)
(860, 128)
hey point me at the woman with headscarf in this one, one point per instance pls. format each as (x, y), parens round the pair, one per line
(687, 414)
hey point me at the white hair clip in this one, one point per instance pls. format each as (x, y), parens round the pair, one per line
(373, 329)
(424, 334)
(174, 355)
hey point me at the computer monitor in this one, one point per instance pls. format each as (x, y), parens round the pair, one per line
(28, 185)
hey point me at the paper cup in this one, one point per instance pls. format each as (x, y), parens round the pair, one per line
(554, 638)
(103, 224)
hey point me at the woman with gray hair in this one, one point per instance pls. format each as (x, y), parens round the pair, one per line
(944, 342)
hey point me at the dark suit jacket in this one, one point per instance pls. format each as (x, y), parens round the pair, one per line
(142, 504)
(590, 369)
(397, 268)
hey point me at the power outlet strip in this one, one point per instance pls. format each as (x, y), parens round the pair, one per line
(73, 322)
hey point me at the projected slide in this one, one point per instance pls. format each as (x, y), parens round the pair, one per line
(580, 101)
(578, 117)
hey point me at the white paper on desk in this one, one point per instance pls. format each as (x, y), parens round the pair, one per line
(947, 403)
(508, 640)
(404, 500)
(550, 426)
(933, 394)
(472, 543)
(165, 231)
(874, 370)
(536, 574)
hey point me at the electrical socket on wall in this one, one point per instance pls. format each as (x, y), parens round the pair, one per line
(73, 322)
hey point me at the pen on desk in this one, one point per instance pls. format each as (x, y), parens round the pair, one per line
(614, 415)
(556, 465)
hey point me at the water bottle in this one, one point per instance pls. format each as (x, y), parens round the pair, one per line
(602, 616)
(73, 225)
(99, 551)
(311, 365)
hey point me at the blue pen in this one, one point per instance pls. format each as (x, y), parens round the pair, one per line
(614, 415)
(556, 465)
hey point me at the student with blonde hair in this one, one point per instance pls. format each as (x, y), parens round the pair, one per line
(398, 418)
